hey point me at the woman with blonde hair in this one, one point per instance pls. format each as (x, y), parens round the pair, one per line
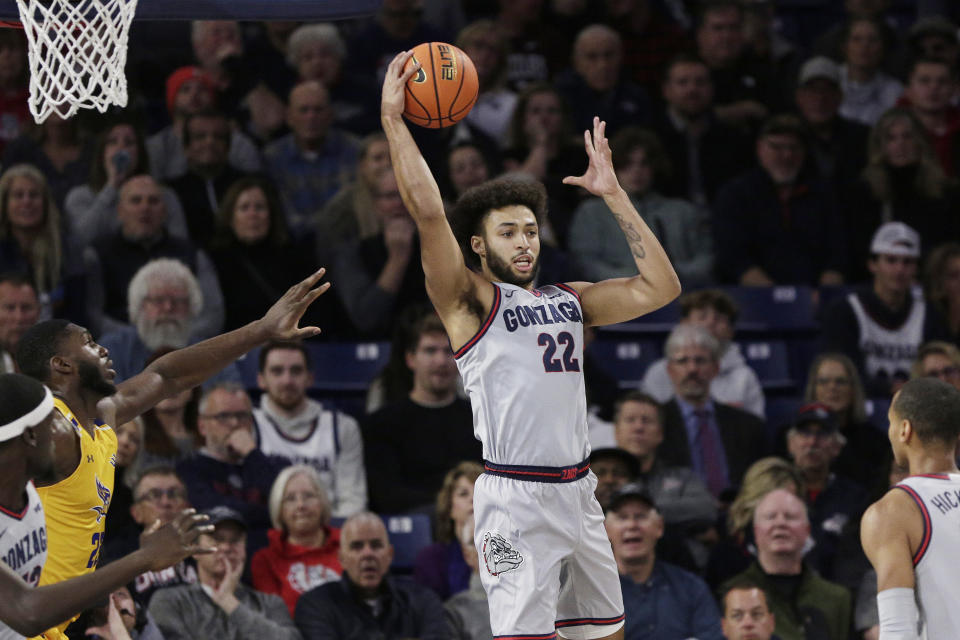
(903, 181)
(303, 549)
(441, 566)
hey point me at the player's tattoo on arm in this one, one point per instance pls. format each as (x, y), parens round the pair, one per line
(633, 237)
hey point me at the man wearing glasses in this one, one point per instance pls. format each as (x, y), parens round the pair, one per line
(229, 469)
(716, 440)
(158, 494)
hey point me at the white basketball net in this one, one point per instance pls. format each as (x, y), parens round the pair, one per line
(77, 50)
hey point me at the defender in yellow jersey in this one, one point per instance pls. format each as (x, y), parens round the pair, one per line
(66, 358)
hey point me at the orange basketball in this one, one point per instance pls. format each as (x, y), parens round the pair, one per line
(444, 90)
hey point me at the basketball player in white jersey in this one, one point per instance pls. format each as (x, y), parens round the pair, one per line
(545, 560)
(912, 534)
(26, 451)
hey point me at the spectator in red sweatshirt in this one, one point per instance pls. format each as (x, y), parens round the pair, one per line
(303, 548)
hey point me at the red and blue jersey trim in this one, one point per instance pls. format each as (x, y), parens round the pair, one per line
(494, 308)
(927, 523)
(568, 289)
(544, 636)
(935, 476)
(538, 474)
(574, 622)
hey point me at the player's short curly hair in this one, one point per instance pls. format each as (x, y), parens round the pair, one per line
(476, 203)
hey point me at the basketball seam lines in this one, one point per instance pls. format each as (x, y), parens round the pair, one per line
(422, 106)
(459, 87)
(436, 89)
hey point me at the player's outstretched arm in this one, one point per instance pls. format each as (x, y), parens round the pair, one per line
(621, 299)
(190, 366)
(886, 532)
(33, 611)
(447, 275)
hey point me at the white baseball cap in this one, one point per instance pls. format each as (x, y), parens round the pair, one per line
(896, 239)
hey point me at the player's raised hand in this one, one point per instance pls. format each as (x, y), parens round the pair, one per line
(282, 319)
(600, 179)
(393, 96)
(169, 544)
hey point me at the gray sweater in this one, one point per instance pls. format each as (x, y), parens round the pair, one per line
(187, 612)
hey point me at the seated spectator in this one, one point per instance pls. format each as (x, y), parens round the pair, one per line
(536, 51)
(614, 467)
(934, 37)
(303, 550)
(835, 502)
(310, 163)
(382, 273)
(170, 427)
(267, 48)
(601, 249)
(32, 241)
(804, 605)
(317, 52)
(208, 174)
(942, 285)
(431, 425)
(218, 49)
(191, 90)
(867, 91)
(19, 310)
(735, 551)
(158, 495)
(468, 612)
(767, 42)
(650, 36)
(718, 441)
(113, 259)
(542, 145)
(219, 605)
(735, 384)
(937, 359)
(57, 150)
(930, 88)
(257, 261)
(704, 152)
(229, 470)
(443, 566)
(660, 600)
(120, 616)
(881, 326)
(746, 614)
(350, 214)
(118, 154)
(126, 470)
(14, 86)
(164, 301)
(484, 44)
(366, 602)
(837, 147)
(595, 86)
(902, 181)
(775, 225)
(293, 426)
(682, 498)
(466, 166)
(831, 42)
(745, 88)
(833, 381)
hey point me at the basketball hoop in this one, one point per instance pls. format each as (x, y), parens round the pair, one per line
(77, 50)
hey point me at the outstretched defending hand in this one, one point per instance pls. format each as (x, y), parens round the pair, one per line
(393, 95)
(600, 179)
(169, 544)
(282, 319)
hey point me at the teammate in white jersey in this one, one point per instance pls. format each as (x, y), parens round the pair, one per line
(912, 534)
(26, 451)
(546, 563)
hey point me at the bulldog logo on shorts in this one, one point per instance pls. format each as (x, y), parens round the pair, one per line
(498, 555)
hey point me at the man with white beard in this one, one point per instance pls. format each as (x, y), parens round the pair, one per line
(164, 301)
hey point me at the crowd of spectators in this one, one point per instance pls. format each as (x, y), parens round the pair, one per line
(762, 149)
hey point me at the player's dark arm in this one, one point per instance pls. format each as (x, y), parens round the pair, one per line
(656, 283)
(447, 276)
(33, 611)
(188, 367)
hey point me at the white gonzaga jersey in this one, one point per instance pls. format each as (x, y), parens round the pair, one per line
(320, 448)
(523, 373)
(889, 351)
(934, 562)
(23, 545)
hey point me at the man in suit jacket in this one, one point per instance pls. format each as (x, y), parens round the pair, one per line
(716, 440)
